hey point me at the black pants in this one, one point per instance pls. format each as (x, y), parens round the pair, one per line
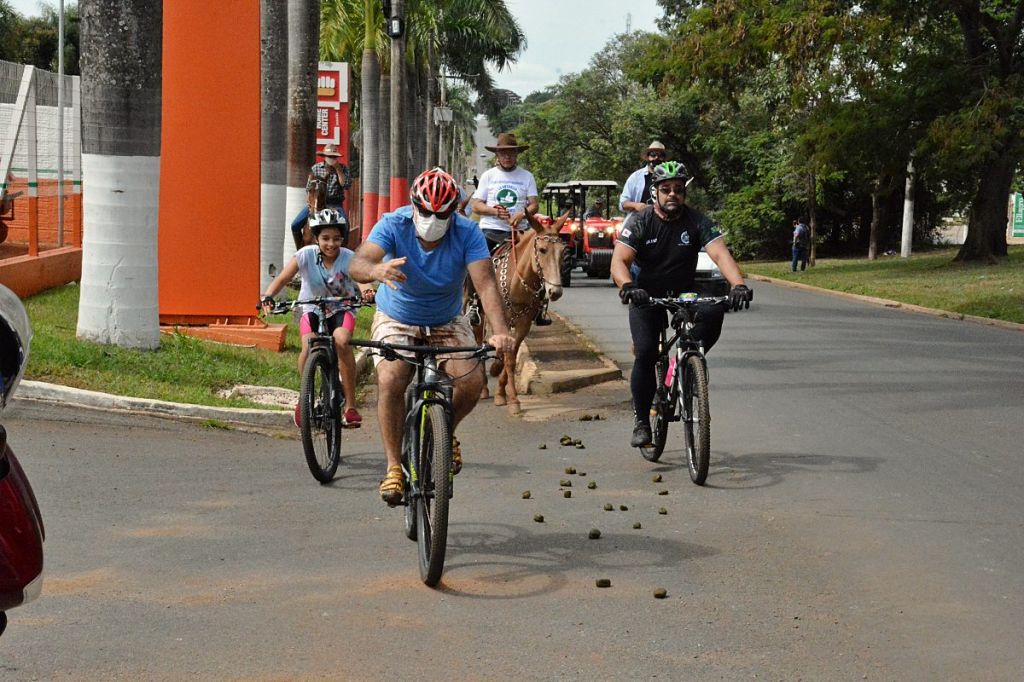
(645, 325)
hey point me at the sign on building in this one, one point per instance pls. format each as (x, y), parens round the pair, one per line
(332, 88)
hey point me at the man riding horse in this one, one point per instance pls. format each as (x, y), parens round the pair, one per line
(325, 188)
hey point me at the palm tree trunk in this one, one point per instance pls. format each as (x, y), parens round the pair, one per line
(273, 124)
(398, 138)
(303, 67)
(369, 91)
(121, 62)
(430, 154)
(384, 145)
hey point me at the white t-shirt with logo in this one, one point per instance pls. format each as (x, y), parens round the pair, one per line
(511, 189)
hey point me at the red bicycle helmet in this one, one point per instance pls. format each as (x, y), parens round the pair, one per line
(434, 191)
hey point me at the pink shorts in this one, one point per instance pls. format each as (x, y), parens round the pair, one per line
(309, 321)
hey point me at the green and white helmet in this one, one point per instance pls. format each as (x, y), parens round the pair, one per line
(668, 170)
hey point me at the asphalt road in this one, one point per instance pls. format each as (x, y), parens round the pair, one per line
(862, 520)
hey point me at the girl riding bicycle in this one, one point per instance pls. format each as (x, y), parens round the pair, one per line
(323, 268)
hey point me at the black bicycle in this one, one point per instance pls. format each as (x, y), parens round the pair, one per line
(320, 390)
(427, 448)
(682, 385)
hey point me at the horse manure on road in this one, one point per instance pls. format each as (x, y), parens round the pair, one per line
(526, 494)
(592, 485)
(663, 492)
(663, 511)
(542, 446)
(623, 507)
(539, 518)
(603, 582)
(585, 417)
(660, 593)
(637, 526)
(566, 493)
(565, 483)
(566, 440)
(656, 478)
(594, 534)
(581, 446)
(608, 506)
(570, 470)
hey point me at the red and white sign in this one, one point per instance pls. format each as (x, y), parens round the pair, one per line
(332, 86)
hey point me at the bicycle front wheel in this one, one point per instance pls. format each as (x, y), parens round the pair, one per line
(319, 419)
(697, 419)
(435, 475)
(659, 416)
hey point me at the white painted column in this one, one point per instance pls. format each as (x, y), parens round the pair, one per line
(908, 211)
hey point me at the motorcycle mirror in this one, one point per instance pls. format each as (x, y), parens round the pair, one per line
(15, 337)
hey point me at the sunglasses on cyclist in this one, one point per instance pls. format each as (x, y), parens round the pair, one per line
(437, 214)
(672, 189)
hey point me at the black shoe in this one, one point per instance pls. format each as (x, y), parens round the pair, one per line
(641, 435)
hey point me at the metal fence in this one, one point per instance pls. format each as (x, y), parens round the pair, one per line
(40, 168)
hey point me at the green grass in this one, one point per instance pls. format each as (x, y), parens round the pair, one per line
(931, 279)
(184, 369)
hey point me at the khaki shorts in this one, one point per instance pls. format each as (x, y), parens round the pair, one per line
(455, 332)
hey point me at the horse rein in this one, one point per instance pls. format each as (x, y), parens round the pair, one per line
(503, 280)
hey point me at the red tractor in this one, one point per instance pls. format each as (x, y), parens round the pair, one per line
(590, 233)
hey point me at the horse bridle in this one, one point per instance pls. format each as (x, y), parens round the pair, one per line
(503, 283)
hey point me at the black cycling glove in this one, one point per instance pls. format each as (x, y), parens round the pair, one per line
(631, 293)
(740, 297)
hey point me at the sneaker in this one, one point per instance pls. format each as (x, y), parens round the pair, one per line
(352, 419)
(641, 435)
(296, 418)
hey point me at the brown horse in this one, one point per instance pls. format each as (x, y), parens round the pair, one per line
(529, 274)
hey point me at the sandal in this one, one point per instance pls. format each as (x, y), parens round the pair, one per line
(456, 456)
(393, 486)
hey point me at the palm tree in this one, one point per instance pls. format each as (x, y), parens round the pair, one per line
(399, 119)
(273, 124)
(121, 62)
(384, 105)
(369, 116)
(303, 67)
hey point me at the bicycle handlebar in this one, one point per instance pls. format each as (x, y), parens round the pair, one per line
(280, 307)
(392, 348)
(680, 302)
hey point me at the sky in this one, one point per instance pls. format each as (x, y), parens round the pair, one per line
(562, 36)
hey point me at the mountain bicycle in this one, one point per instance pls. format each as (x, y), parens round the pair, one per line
(682, 385)
(427, 447)
(320, 389)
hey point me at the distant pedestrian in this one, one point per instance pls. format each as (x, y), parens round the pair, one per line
(476, 181)
(801, 244)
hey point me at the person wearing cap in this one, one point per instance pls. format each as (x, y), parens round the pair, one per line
(506, 194)
(596, 209)
(636, 193)
(338, 178)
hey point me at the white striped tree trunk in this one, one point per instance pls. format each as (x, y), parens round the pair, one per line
(303, 67)
(273, 139)
(121, 60)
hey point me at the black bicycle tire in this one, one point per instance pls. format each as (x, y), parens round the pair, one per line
(698, 446)
(314, 413)
(432, 517)
(410, 507)
(659, 420)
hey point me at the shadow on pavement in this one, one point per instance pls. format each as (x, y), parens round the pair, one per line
(501, 561)
(765, 469)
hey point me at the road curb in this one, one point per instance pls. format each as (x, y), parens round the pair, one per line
(888, 303)
(41, 392)
(546, 382)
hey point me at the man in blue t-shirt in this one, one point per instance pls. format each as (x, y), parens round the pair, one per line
(422, 254)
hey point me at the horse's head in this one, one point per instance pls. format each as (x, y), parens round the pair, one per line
(549, 248)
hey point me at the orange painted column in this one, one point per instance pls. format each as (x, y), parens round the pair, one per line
(370, 203)
(209, 240)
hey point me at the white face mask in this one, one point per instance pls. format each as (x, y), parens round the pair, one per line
(430, 228)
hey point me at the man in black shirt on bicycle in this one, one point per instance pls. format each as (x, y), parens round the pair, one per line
(664, 241)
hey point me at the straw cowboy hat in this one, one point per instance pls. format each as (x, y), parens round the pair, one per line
(330, 150)
(507, 141)
(655, 146)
